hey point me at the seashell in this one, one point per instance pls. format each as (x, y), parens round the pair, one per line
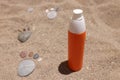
(26, 67)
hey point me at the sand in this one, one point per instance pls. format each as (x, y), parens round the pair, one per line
(49, 39)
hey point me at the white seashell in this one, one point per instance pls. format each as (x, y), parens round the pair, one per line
(52, 14)
(26, 67)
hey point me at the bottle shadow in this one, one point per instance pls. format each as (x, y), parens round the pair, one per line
(64, 69)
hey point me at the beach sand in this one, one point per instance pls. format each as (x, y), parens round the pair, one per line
(49, 39)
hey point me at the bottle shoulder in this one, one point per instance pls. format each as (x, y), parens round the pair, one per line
(77, 26)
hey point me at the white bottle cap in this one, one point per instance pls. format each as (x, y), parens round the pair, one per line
(77, 24)
(77, 13)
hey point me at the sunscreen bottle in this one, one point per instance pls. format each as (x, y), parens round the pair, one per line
(76, 40)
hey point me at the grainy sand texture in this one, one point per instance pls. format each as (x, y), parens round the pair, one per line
(49, 39)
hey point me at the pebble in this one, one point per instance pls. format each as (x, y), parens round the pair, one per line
(23, 54)
(24, 29)
(19, 30)
(46, 10)
(112, 62)
(24, 36)
(30, 9)
(39, 59)
(30, 54)
(36, 56)
(87, 68)
(26, 67)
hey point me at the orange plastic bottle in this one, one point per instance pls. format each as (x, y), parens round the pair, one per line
(76, 40)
